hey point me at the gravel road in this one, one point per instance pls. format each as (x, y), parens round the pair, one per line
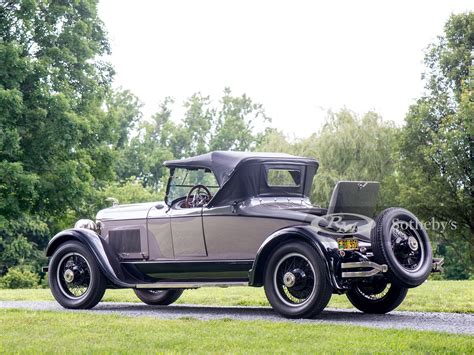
(441, 322)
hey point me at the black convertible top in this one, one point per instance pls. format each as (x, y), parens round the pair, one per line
(223, 163)
(244, 174)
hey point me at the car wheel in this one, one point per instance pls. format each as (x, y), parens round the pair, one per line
(155, 297)
(400, 241)
(75, 278)
(376, 297)
(296, 281)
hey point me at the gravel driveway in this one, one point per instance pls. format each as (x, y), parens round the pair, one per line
(441, 322)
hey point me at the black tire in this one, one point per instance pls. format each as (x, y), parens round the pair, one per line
(400, 241)
(155, 297)
(380, 299)
(75, 278)
(311, 290)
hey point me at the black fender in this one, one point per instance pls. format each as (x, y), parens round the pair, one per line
(324, 246)
(98, 248)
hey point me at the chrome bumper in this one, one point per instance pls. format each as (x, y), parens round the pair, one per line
(374, 269)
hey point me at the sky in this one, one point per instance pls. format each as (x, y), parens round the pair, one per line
(297, 58)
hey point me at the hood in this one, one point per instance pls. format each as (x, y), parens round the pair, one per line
(132, 211)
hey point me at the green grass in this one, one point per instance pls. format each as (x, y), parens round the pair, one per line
(432, 296)
(58, 332)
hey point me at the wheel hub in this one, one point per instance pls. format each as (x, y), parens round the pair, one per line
(289, 279)
(69, 276)
(413, 243)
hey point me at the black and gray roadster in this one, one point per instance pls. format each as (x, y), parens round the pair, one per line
(235, 218)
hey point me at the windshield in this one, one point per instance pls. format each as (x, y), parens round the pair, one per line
(182, 180)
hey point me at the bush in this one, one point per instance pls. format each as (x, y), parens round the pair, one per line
(19, 278)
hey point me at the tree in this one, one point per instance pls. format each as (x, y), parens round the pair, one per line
(56, 141)
(352, 148)
(274, 140)
(235, 123)
(203, 128)
(436, 147)
(198, 122)
(347, 148)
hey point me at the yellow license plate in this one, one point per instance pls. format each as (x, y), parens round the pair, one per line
(348, 244)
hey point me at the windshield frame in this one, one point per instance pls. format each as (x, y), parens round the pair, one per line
(170, 178)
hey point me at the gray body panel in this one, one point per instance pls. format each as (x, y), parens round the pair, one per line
(110, 229)
(160, 241)
(235, 235)
(216, 233)
(187, 232)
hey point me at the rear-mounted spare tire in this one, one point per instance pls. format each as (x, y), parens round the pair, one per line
(400, 241)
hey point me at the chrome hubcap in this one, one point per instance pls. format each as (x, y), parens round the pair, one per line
(413, 243)
(69, 276)
(74, 276)
(407, 246)
(289, 279)
(294, 280)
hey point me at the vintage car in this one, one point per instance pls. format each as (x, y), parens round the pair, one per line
(237, 218)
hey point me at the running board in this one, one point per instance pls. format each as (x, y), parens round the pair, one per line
(167, 285)
(375, 269)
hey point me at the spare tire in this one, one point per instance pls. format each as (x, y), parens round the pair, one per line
(400, 241)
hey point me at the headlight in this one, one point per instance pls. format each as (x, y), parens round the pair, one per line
(87, 224)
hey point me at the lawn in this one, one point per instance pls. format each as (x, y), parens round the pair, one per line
(46, 332)
(432, 296)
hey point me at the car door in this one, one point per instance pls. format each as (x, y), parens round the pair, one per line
(233, 236)
(187, 232)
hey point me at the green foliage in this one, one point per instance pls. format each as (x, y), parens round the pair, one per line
(347, 148)
(436, 157)
(235, 123)
(145, 153)
(22, 241)
(56, 140)
(19, 278)
(131, 191)
(352, 148)
(229, 126)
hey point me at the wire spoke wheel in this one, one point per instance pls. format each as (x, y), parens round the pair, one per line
(74, 275)
(407, 245)
(296, 282)
(373, 291)
(400, 241)
(376, 296)
(294, 279)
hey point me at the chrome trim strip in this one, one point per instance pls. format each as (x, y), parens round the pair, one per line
(187, 261)
(375, 269)
(166, 285)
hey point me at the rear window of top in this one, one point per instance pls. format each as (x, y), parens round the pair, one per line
(280, 177)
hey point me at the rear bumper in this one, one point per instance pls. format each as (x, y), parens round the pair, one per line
(362, 269)
(370, 268)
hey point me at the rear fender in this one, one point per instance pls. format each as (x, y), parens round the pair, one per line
(107, 263)
(322, 245)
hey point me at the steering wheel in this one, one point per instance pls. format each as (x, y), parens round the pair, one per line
(198, 196)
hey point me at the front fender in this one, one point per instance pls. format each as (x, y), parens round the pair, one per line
(98, 248)
(324, 247)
